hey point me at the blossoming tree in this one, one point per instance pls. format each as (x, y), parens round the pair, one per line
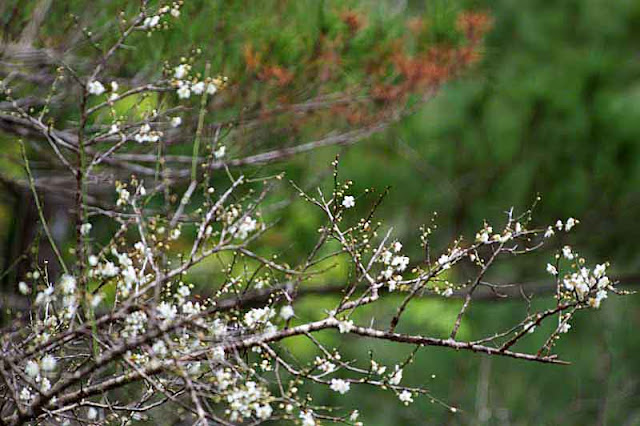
(120, 334)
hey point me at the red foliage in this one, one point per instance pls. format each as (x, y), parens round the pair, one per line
(281, 76)
(474, 25)
(354, 20)
(439, 64)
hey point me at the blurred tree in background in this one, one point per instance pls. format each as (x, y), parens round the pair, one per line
(551, 107)
(554, 109)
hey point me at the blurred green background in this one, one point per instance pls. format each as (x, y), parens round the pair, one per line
(551, 108)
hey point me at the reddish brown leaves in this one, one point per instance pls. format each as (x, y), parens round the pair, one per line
(354, 20)
(474, 25)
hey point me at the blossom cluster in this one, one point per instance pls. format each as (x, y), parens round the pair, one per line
(187, 84)
(583, 284)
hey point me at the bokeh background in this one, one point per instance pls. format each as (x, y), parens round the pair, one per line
(548, 104)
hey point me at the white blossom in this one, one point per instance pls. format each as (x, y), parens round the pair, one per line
(167, 311)
(108, 269)
(595, 302)
(92, 413)
(348, 202)
(190, 308)
(25, 394)
(571, 222)
(194, 369)
(130, 277)
(176, 121)
(396, 377)
(145, 134)
(567, 253)
(307, 418)
(387, 273)
(243, 400)
(376, 368)
(599, 270)
(32, 369)
(345, 326)
(264, 411)
(48, 363)
(406, 397)
(85, 228)
(211, 89)
(135, 323)
(552, 269)
(582, 289)
(246, 226)
(258, 316)
(218, 328)
(145, 128)
(340, 386)
(483, 236)
(223, 379)
(570, 282)
(95, 88)
(184, 92)
(123, 196)
(139, 246)
(95, 301)
(198, 88)
(549, 232)
(181, 71)
(45, 296)
(400, 262)
(184, 291)
(217, 353)
(505, 237)
(23, 288)
(287, 312)
(220, 152)
(68, 284)
(603, 282)
(444, 261)
(325, 365)
(151, 21)
(159, 349)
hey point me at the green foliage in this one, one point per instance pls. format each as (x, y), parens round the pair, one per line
(553, 110)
